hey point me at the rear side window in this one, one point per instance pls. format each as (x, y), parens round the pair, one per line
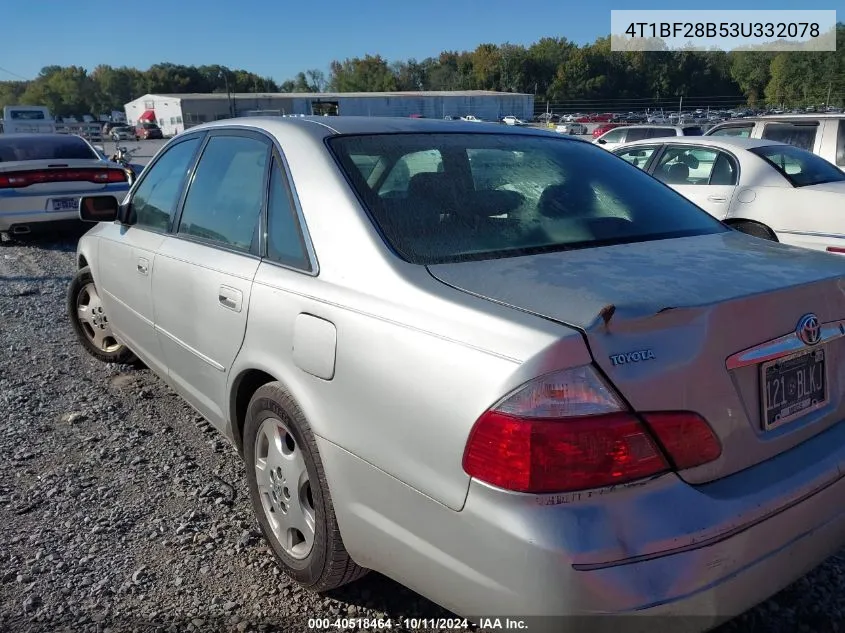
(284, 238)
(840, 144)
(692, 131)
(742, 131)
(225, 199)
(45, 148)
(800, 167)
(504, 195)
(803, 136)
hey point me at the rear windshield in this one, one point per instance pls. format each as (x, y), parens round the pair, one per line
(800, 167)
(449, 197)
(44, 148)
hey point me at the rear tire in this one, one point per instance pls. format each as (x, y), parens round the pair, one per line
(90, 322)
(756, 230)
(290, 495)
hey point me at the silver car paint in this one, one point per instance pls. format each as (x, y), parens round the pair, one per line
(417, 361)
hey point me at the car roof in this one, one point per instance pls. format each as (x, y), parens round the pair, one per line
(322, 126)
(724, 142)
(39, 135)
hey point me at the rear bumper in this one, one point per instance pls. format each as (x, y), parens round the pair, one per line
(692, 557)
(22, 212)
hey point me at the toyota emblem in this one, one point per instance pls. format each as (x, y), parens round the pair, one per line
(809, 329)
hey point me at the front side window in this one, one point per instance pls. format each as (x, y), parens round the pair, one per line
(505, 195)
(225, 198)
(637, 156)
(800, 167)
(614, 136)
(803, 136)
(741, 131)
(154, 201)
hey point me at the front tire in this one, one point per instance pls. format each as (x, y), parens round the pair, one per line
(290, 495)
(90, 322)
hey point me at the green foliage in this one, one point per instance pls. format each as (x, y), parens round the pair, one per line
(554, 69)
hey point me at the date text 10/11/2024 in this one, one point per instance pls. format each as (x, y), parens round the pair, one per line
(445, 624)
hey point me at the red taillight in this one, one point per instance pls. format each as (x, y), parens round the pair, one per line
(835, 249)
(18, 179)
(685, 436)
(560, 455)
(570, 431)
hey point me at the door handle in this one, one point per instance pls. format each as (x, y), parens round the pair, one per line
(717, 198)
(143, 265)
(230, 298)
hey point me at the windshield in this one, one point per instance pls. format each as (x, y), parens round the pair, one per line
(39, 148)
(800, 167)
(149, 126)
(460, 196)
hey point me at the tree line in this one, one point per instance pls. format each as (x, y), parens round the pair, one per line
(588, 78)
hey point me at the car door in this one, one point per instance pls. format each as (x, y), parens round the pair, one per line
(127, 252)
(705, 175)
(204, 271)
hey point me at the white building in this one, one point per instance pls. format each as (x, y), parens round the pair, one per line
(176, 112)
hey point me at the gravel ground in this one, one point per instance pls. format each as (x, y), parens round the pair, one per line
(122, 510)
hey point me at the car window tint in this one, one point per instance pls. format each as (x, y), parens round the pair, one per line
(399, 176)
(803, 136)
(637, 156)
(800, 167)
(637, 134)
(685, 166)
(660, 132)
(501, 195)
(743, 131)
(840, 144)
(157, 195)
(284, 238)
(57, 147)
(224, 201)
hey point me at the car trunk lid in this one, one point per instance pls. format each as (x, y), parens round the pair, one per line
(663, 318)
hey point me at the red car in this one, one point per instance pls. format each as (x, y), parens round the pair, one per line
(604, 127)
(146, 130)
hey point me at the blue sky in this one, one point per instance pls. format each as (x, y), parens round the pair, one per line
(278, 38)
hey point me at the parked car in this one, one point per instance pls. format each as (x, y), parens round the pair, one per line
(122, 133)
(822, 134)
(571, 128)
(628, 133)
(43, 176)
(481, 387)
(472, 118)
(512, 120)
(146, 130)
(765, 188)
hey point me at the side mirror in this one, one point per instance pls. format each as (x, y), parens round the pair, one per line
(602, 141)
(98, 209)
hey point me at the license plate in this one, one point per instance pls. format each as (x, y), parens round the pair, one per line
(64, 204)
(793, 386)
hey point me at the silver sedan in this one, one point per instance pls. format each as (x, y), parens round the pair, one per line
(498, 365)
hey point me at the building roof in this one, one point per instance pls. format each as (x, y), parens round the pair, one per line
(336, 95)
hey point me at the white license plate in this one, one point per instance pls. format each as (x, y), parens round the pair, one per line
(64, 204)
(793, 386)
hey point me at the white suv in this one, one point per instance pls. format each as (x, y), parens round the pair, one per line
(822, 134)
(629, 133)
